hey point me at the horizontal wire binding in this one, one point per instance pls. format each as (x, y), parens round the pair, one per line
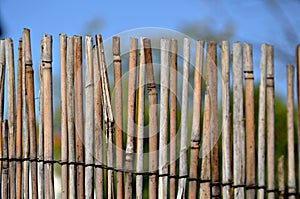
(199, 180)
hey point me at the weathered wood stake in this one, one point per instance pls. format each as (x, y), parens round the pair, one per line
(281, 177)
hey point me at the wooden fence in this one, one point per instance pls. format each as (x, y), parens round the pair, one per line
(104, 155)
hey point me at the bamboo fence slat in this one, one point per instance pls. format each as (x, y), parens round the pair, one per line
(212, 73)
(153, 120)
(19, 123)
(64, 117)
(32, 130)
(226, 135)
(26, 62)
(205, 175)
(89, 118)
(261, 122)
(119, 113)
(249, 117)
(41, 179)
(298, 100)
(197, 101)
(290, 132)
(2, 74)
(131, 112)
(163, 124)
(108, 115)
(5, 152)
(173, 115)
(48, 113)
(98, 122)
(270, 122)
(238, 123)
(184, 120)
(79, 131)
(281, 177)
(9, 60)
(71, 116)
(140, 121)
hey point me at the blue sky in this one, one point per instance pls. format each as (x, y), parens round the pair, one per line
(254, 22)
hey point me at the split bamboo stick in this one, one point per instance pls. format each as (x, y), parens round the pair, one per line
(270, 122)
(79, 115)
(205, 191)
(238, 123)
(98, 122)
(226, 134)
(250, 121)
(184, 120)
(131, 113)
(2, 75)
(41, 176)
(2, 65)
(47, 117)
(2, 68)
(205, 167)
(26, 62)
(5, 152)
(32, 130)
(298, 100)
(9, 59)
(173, 115)
(71, 116)
(19, 124)
(281, 177)
(89, 118)
(153, 120)
(140, 121)
(212, 73)
(119, 114)
(64, 117)
(290, 131)
(163, 124)
(108, 115)
(195, 139)
(261, 122)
